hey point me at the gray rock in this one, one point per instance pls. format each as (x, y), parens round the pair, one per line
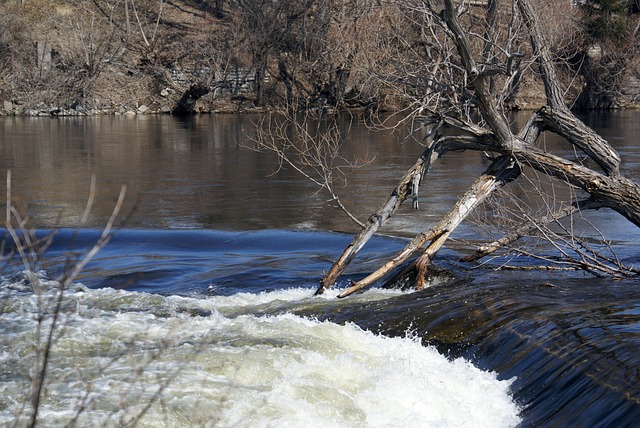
(8, 106)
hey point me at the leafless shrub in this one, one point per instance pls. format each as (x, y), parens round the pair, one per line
(311, 146)
(30, 251)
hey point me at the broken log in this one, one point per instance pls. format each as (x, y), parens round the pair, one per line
(187, 103)
(499, 173)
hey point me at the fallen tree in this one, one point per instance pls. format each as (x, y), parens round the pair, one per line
(460, 80)
(476, 64)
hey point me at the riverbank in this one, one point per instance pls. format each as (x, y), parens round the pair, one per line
(131, 98)
(94, 58)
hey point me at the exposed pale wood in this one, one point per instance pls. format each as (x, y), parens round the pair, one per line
(468, 137)
(376, 220)
(400, 258)
(501, 171)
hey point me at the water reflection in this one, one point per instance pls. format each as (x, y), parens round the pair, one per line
(189, 172)
(195, 173)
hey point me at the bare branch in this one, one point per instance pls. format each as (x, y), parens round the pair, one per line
(310, 146)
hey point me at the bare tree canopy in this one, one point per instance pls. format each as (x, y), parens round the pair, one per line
(311, 54)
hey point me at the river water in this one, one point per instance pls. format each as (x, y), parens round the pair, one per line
(199, 311)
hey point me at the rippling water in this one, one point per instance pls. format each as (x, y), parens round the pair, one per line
(218, 341)
(179, 322)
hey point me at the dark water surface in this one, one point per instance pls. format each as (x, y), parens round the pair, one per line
(216, 249)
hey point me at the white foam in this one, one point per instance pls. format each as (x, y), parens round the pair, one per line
(245, 370)
(283, 298)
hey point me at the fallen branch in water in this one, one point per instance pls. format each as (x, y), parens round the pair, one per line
(529, 228)
(501, 171)
(540, 267)
(493, 134)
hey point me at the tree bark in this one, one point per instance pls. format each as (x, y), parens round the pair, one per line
(611, 190)
(376, 220)
(471, 138)
(557, 116)
(500, 172)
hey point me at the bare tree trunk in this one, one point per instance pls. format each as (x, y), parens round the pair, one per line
(612, 190)
(377, 219)
(408, 186)
(557, 116)
(499, 173)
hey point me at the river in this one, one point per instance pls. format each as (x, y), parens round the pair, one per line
(199, 311)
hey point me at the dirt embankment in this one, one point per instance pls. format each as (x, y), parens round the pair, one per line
(59, 59)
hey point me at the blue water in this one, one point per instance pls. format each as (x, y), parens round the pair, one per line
(226, 324)
(566, 343)
(207, 262)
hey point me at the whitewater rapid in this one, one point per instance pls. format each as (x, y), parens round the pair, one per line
(125, 357)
